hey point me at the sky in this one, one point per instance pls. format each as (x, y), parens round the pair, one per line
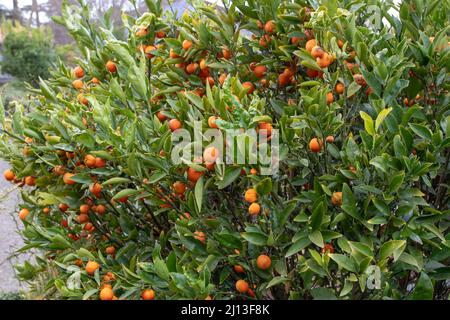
(9, 3)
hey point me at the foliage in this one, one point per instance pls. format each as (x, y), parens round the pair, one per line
(27, 54)
(375, 194)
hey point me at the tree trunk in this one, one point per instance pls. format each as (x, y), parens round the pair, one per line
(16, 13)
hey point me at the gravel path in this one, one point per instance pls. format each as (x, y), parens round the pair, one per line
(10, 240)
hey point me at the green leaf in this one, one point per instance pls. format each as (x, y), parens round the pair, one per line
(421, 131)
(380, 118)
(264, 187)
(230, 175)
(297, 246)
(161, 269)
(316, 238)
(393, 247)
(125, 193)
(199, 194)
(317, 216)
(368, 123)
(116, 180)
(344, 262)
(424, 288)
(255, 238)
(352, 89)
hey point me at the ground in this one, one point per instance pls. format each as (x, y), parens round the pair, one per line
(10, 240)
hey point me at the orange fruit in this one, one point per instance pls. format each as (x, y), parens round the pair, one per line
(96, 189)
(226, 53)
(329, 139)
(263, 262)
(328, 247)
(111, 66)
(270, 27)
(161, 117)
(106, 293)
(336, 198)
(9, 175)
(148, 294)
(84, 208)
(359, 79)
(314, 145)
(249, 87)
(160, 34)
(77, 84)
(94, 80)
(267, 127)
(46, 210)
(142, 32)
(330, 98)
(340, 43)
(212, 122)
(148, 51)
(82, 99)
(210, 154)
(67, 178)
(200, 236)
(110, 250)
(254, 209)
(191, 68)
(310, 44)
(203, 65)
(23, 214)
(317, 52)
(179, 187)
(83, 218)
(238, 269)
(242, 286)
(193, 175)
(100, 163)
(186, 44)
(100, 209)
(174, 124)
(339, 88)
(324, 61)
(222, 78)
(253, 171)
(78, 72)
(30, 181)
(251, 195)
(89, 161)
(63, 207)
(260, 71)
(91, 266)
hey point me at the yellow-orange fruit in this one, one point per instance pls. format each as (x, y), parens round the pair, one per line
(179, 187)
(330, 98)
(339, 88)
(210, 155)
(251, 195)
(30, 181)
(310, 44)
(242, 286)
(9, 175)
(212, 122)
(200, 236)
(191, 68)
(84, 208)
(270, 27)
(263, 262)
(110, 250)
(174, 124)
(254, 209)
(317, 52)
(329, 139)
(89, 161)
(336, 198)
(78, 72)
(314, 145)
(238, 269)
(106, 293)
(260, 71)
(67, 178)
(148, 294)
(23, 214)
(226, 53)
(111, 66)
(249, 86)
(91, 266)
(193, 175)
(77, 84)
(186, 44)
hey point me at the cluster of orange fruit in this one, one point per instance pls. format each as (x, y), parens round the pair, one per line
(263, 262)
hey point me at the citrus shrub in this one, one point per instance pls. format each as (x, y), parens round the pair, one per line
(357, 210)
